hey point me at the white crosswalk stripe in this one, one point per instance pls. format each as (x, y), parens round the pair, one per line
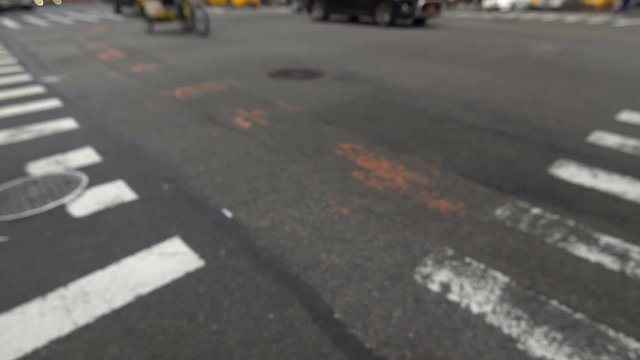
(29, 107)
(38, 322)
(543, 328)
(38, 130)
(22, 91)
(566, 18)
(10, 69)
(82, 16)
(101, 197)
(69, 160)
(8, 60)
(629, 117)
(15, 79)
(622, 143)
(35, 20)
(9, 23)
(59, 19)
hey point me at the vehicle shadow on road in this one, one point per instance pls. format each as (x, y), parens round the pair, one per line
(369, 22)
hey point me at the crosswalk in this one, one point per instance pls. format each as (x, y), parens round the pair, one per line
(35, 323)
(562, 18)
(541, 326)
(57, 18)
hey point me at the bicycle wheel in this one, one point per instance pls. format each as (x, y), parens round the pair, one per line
(200, 19)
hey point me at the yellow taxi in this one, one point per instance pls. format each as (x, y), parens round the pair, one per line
(235, 3)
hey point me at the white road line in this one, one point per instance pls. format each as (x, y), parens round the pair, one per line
(626, 22)
(38, 322)
(571, 19)
(598, 20)
(37, 130)
(10, 23)
(629, 116)
(101, 197)
(9, 69)
(8, 60)
(625, 144)
(15, 79)
(83, 17)
(610, 252)
(542, 328)
(622, 186)
(59, 19)
(69, 160)
(35, 20)
(529, 16)
(550, 17)
(22, 91)
(29, 107)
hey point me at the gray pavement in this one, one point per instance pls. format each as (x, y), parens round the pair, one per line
(437, 193)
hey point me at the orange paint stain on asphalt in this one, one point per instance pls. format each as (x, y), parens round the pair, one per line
(245, 119)
(110, 55)
(380, 173)
(143, 68)
(190, 91)
(333, 204)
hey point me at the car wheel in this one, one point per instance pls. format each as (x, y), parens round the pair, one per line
(419, 22)
(353, 18)
(383, 14)
(117, 7)
(319, 10)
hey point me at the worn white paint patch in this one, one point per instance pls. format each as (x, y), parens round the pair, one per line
(59, 19)
(36, 323)
(608, 251)
(550, 17)
(15, 79)
(82, 17)
(29, 107)
(101, 197)
(35, 20)
(622, 186)
(22, 91)
(626, 22)
(69, 160)
(37, 130)
(226, 212)
(50, 79)
(629, 116)
(4, 238)
(8, 60)
(541, 328)
(10, 23)
(10, 69)
(598, 20)
(622, 143)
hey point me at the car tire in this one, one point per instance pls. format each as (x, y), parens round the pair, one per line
(117, 7)
(354, 18)
(318, 10)
(383, 14)
(419, 22)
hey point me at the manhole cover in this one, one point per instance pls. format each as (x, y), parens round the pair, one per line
(295, 74)
(33, 195)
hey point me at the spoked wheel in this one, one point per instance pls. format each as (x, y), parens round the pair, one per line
(383, 13)
(197, 19)
(319, 10)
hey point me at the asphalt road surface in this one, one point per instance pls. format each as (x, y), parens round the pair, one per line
(289, 189)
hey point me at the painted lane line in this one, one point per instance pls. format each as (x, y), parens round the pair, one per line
(59, 19)
(8, 60)
(622, 186)
(529, 16)
(625, 144)
(35, 20)
(550, 17)
(572, 19)
(598, 20)
(15, 79)
(101, 197)
(610, 252)
(11, 24)
(226, 212)
(29, 107)
(10, 69)
(22, 91)
(629, 116)
(542, 328)
(82, 17)
(40, 321)
(69, 160)
(37, 130)
(626, 22)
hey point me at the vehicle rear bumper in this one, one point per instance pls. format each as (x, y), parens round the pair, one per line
(420, 9)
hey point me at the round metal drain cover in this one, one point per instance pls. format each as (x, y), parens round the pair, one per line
(295, 74)
(33, 195)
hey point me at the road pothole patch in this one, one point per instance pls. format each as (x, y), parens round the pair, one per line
(32, 195)
(295, 74)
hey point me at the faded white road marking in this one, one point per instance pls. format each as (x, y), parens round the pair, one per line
(11, 69)
(29, 107)
(226, 212)
(550, 17)
(4, 238)
(629, 116)
(22, 91)
(37, 130)
(10, 23)
(622, 186)
(69, 160)
(83, 17)
(105, 15)
(610, 252)
(35, 20)
(598, 20)
(59, 19)
(626, 22)
(541, 328)
(38, 322)
(625, 144)
(570, 19)
(101, 197)
(8, 60)
(15, 79)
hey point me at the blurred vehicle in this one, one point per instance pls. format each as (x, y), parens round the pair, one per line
(119, 4)
(556, 4)
(235, 3)
(384, 12)
(599, 4)
(8, 4)
(505, 5)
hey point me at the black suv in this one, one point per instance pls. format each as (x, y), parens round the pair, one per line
(385, 12)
